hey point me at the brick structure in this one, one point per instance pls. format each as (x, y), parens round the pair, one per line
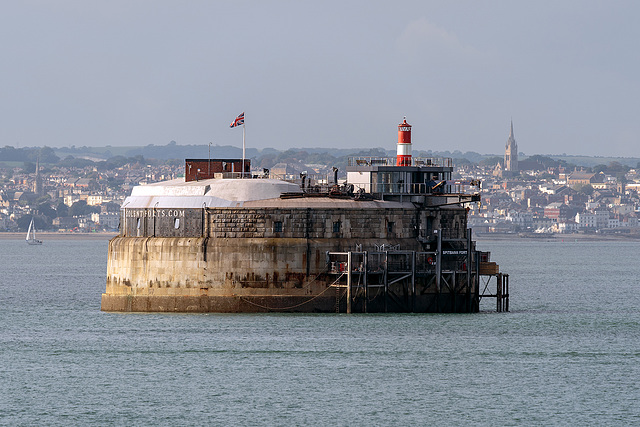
(199, 169)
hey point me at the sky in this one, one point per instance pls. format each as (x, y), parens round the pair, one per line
(338, 74)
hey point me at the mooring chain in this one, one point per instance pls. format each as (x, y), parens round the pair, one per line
(293, 306)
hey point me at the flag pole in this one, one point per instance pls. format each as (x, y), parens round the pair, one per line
(243, 156)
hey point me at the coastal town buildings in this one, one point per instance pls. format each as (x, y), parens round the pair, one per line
(525, 198)
(77, 199)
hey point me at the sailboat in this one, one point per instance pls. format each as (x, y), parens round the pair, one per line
(31, 235)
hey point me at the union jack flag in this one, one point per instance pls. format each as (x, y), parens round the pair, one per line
(238, 121)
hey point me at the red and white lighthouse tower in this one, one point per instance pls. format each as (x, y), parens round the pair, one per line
(404, 144)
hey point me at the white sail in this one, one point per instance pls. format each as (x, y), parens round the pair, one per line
(31, 235)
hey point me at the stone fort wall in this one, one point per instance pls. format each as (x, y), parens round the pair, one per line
(166, 258)
(300, 223)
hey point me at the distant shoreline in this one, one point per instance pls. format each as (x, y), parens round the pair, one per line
(559, 237)
(53, 235)
(44, 236)
(484, 237)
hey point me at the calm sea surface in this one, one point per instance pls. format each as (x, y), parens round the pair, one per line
(568, 353)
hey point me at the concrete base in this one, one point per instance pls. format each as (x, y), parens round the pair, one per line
(218, 304)
(443, 303)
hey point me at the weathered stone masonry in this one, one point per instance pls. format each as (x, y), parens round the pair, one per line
(166, 260)
(295, 223)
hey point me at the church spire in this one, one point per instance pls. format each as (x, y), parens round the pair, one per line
(511, 152)
(37, 184)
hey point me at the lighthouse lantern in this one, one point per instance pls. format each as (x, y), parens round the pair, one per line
(404, 144)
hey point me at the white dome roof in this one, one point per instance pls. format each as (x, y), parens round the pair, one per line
(211, 193)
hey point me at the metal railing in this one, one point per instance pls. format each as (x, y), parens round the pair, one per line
(405, 188)
(391, 161)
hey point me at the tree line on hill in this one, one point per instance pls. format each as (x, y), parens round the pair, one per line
(103, 159)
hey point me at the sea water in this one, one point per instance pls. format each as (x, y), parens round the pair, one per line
(568, 352)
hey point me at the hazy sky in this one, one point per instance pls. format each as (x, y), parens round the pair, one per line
(323, 74)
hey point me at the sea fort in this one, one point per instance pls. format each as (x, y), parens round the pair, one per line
(393, 237)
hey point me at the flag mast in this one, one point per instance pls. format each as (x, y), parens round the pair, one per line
(237, 122)
(243, 156)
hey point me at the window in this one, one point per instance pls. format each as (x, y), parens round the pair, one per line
(176, 223)
(336, 227)
(277, 227)
(390, 226)
(138, 224)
